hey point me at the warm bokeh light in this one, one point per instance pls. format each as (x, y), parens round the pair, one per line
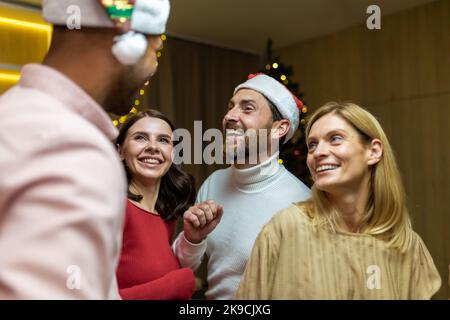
(10, 77)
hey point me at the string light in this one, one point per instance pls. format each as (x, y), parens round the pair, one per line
(137, 101)
(283, 77)
(123, 119)
(275, 65)
(268, 66)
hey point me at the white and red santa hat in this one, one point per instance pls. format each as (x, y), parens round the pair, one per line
(133, 18)
(287, 103)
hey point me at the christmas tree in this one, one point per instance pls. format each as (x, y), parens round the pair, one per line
(292, 153)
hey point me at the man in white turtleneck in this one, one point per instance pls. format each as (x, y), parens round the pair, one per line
(250, 193)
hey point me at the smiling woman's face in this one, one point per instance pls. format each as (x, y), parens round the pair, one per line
(337, 158)
(147, 149)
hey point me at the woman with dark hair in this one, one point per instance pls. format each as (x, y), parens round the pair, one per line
(158, 193)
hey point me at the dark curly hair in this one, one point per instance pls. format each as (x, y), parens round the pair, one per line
(177, 190)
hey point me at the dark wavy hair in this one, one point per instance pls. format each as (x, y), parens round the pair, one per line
(177, 190)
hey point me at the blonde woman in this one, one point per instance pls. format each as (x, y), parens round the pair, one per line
(353, 238)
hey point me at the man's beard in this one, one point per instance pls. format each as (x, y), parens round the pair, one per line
(124, 91)
(248, 148)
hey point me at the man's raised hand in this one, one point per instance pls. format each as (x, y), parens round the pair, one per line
(200, 219)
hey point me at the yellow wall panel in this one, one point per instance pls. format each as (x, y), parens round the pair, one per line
(7, 79)
(24, 38)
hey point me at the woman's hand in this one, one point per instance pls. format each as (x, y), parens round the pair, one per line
(200, 220)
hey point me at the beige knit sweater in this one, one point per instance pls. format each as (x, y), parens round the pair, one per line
(292, 259)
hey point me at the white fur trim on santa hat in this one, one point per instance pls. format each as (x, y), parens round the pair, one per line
(92, 14)
(279, 95)
(149, 16)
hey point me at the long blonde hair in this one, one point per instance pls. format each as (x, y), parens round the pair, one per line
(386, 215)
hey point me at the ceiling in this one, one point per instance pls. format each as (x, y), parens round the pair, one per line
(246, 25)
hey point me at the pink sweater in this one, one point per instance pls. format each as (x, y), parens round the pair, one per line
(61, 191)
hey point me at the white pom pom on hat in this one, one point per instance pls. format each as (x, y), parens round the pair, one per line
(129, 47)
(150, 17)
(287, 104)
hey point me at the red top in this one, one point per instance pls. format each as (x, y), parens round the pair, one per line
(148, 269)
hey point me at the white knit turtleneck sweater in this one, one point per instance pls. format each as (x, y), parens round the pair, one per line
(250, 197)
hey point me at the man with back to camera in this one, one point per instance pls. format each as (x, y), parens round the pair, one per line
(62, 186)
